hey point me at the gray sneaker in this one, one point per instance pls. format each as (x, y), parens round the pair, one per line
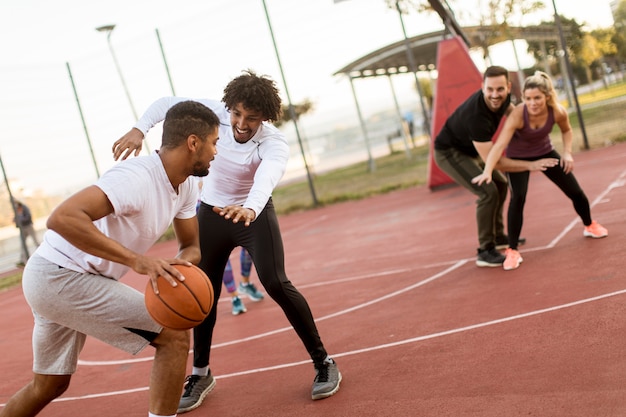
(326, 382)
(196, 388)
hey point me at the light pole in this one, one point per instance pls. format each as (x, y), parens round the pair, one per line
(167, 68)
(108, 29)
(80, 111)
(570, 74)
(294, 117)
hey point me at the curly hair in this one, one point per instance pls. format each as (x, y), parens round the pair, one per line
(254, 92)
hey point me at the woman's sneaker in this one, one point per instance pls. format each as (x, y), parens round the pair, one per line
(595, 230)
(513, 259)
(238, 307)
(251, 291)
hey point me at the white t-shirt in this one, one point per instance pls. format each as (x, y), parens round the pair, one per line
(144, 204)
(242, 174)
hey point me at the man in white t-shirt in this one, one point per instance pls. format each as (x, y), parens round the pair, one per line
(252, 158)
(94, 238)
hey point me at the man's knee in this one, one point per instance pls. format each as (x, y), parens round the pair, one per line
(174, 339)
(49, 387)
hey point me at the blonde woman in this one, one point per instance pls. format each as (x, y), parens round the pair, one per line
(525, 136)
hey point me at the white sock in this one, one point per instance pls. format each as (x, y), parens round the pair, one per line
(158, 415)
(200, 371)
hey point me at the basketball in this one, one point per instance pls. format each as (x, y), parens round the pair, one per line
(184, 306)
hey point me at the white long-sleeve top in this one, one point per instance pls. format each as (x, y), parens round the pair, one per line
(242, 173)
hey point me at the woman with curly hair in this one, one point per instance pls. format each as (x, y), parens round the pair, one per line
(236, 210)
(525, 136)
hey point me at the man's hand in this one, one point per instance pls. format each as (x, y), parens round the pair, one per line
(236, 213)
(159, 267)
(124, 146)
(543, 164)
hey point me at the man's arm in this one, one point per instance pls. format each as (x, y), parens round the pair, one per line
(131, 142)
(187, 234)
(73, 220)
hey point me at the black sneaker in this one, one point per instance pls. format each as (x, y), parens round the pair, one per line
(196, 388)
(490, 258)
(326, 382)
(502, 242)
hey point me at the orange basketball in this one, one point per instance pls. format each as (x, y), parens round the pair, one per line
(184, 306)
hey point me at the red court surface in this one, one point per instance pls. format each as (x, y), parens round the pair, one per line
(416, 328)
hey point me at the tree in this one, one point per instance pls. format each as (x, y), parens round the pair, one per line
(619, 37)
(496, 17)
(574, 38)
(300, 109)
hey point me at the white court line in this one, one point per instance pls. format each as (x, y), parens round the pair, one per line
(377, 347)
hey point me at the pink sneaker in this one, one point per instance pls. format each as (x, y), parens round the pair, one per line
(595, 230)
(513, 259)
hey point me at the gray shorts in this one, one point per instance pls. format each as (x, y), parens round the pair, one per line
(69, 305)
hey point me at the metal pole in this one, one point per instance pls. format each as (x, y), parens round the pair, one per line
(372, 163)
(413, 69)
(80, 110)
(292, 112)
(12, 200)
(557, 21)
(109, 30)
(167, 68)
(406, 133)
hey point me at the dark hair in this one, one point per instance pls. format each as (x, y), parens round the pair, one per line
(187, 118)
(496, 71)
(258, 93)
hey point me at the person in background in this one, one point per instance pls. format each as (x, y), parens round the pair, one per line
(245, 286)
(526, 137)
(24, 221)
(94, 237)
(462, 147)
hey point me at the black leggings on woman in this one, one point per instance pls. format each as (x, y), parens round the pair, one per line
(518, 182)
(262, 240)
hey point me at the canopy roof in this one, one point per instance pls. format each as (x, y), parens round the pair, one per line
(393, 58)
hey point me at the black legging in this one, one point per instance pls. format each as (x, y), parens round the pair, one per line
(518, 181)
(262, 240)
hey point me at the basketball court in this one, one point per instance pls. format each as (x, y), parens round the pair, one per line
(416, 328)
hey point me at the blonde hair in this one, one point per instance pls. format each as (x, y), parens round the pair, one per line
(541, 81)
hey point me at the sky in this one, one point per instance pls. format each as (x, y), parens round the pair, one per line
(43, 142)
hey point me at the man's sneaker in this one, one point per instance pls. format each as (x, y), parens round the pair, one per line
(196, 388)
(251, 291)
(326, 382)
(513, 259)
(490, 258)
(238, 307)
(502, 242)
(595, 230)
